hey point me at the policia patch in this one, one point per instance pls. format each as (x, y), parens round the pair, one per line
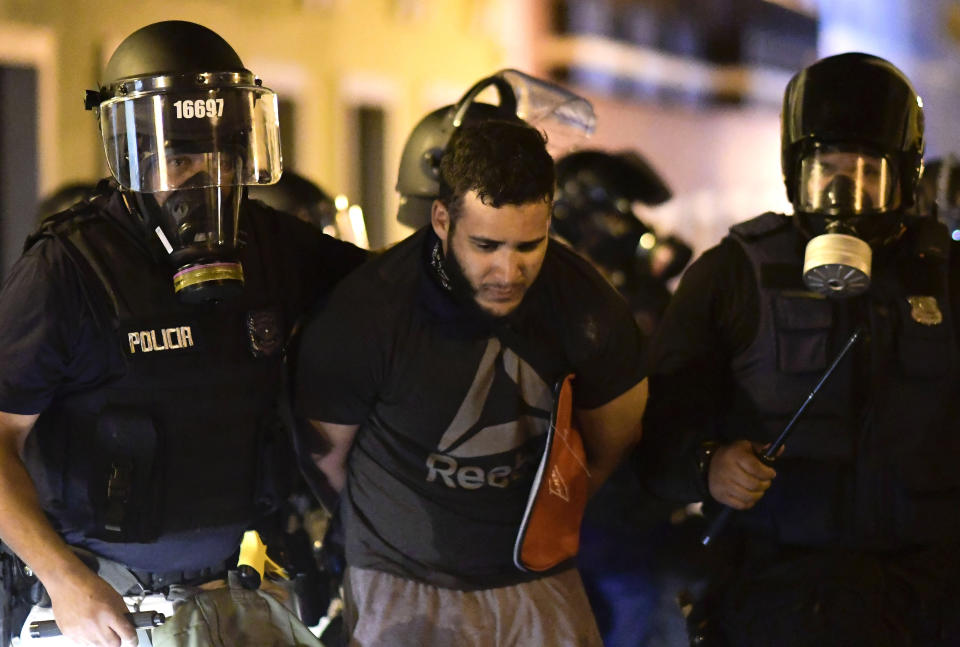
(160, 339)
(146, 339)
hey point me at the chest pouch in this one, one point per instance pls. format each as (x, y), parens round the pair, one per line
(803, 327)
(550, 531)
(125, 481)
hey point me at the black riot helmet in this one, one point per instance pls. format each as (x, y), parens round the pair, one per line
(540, 103)
(858, 113)
(185, 126)
(597, 208)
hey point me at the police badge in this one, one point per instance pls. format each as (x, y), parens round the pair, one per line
(925, 311)
(263, 332)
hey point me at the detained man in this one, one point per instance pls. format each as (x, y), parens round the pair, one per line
(428, 380)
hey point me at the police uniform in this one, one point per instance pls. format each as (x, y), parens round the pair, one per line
(852, 543)
(158, 437)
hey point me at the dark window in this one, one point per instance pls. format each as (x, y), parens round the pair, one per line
(286, 113)
(370, 148)
(18, 160)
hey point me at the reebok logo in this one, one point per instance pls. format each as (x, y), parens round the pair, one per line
(472, 477)
(506, 407)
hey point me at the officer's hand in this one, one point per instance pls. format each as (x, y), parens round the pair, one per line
(736, 476)
(89, 611)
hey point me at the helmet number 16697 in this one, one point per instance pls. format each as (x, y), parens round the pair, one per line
(199, 108)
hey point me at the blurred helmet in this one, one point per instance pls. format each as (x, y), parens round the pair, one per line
(852, 144)
(562, 114)
(295, 194)
(184, 127)
(938, 192)
(599, 199)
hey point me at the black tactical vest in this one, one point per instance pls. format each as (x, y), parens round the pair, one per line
(869, 463)
(181, 436)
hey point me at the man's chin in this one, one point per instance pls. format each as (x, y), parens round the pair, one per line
(498, 308)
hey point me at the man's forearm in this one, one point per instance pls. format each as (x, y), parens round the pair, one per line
(333, 442)
(334, 468)
(611, 431)
(25, 528)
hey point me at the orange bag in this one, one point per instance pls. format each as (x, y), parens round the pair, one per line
(550, 531)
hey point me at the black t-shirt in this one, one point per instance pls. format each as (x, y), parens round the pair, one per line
(452, 415)
(52, 344)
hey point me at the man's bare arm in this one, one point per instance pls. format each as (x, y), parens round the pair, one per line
(611, 431)
(85, 607)
(336, 441)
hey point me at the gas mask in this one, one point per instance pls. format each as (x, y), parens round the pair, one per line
(198, 227)
(184, 148)
(850, 197)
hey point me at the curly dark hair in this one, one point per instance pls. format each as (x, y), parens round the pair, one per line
(505, 162)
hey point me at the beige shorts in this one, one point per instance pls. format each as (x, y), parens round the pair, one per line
(385, 610)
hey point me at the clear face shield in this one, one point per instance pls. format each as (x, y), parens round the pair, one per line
(185, 156)
(565, 117)
(846, 184)
(851, 191)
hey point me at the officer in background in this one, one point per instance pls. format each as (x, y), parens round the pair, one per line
(142, 336)
(297, 195)
(850, 538)
(598, 206)
(628, 545)
(938, 193)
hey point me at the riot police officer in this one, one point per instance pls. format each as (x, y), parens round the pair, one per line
(598, 206)
(849, 538)
(142, 342)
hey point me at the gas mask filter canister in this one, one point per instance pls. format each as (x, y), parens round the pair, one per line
(837, 265)
(206, 270)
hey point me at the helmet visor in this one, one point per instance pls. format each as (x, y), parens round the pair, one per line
(157, 141)
(567, 118)
(847, 183)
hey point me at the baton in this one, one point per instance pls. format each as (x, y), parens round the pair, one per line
(770, 455)
(139, 619)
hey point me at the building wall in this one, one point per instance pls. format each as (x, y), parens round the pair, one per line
(722, 163)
